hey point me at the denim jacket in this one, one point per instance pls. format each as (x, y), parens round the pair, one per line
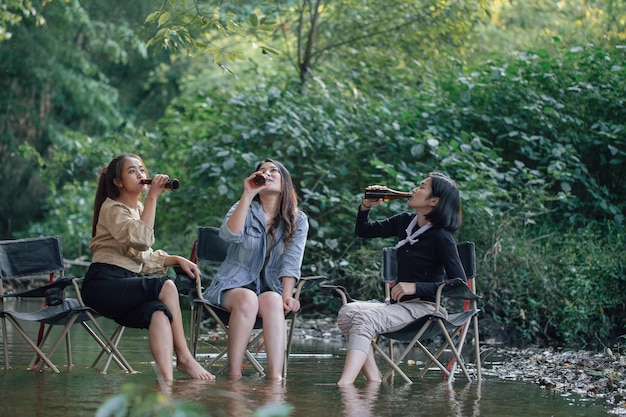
(246, 254)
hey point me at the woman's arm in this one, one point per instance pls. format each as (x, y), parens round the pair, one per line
(289, 302)
(190, 268)
(237, 219)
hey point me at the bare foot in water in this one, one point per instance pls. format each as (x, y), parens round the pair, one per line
(192, 368)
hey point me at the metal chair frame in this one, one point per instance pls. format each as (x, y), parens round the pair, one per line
(33, 257)
(210, 248)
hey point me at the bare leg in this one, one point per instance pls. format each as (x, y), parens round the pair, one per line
(160, 340)
(370, 368)
(357, 361)
(243, 306)
(274, 333)
(185, 362)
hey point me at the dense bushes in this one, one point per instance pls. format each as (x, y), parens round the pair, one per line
(536, 145)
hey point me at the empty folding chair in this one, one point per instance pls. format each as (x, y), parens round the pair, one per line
(452, 331)
(211, 248)
(33, 257)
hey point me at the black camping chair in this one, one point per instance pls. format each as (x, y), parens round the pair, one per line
(452, 330)
(43, 256)
(210, 248)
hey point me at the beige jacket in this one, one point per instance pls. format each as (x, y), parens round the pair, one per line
(124, 240)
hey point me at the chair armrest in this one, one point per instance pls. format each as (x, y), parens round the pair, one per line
(184, 283)
(42, 292)
(456, 288)
(306, 282)
(313, 278)
(339, 292)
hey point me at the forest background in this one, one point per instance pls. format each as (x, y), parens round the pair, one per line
(521, 102)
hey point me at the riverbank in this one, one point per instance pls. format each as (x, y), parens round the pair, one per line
(597, 375)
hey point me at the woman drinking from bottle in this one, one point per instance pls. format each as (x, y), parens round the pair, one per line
(426, 255)
(267, 234)
(122, 236)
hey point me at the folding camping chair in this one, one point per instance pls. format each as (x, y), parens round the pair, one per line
(43, 256)
(452, 331)
(212, 249)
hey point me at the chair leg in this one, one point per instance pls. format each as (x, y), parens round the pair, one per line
(390, 354)
(33, 345)
(249, 357)
(477, 349)
(409, 347)
(68, 350)
(65, 334)
(255, 363)
(456, 349)
(107, 345)
(391, 363)
(194, 336)
(436, 356)
(116, 341)
(5, 344)
(42, 336)
(288, 347)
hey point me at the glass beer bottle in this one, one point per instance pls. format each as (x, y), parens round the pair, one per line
(258, 180)
(387, 194)
(171, 184)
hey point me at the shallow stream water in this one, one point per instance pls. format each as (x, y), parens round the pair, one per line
(309, 388)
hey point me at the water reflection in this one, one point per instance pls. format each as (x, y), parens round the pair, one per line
(359, 402)
(310, 389)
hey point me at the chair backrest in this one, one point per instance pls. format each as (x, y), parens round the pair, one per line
(467, 253)
(29, 257)
(389, 267)
(210, 246)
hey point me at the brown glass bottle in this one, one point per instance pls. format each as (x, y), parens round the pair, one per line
(258, 180)
(387, 194)
(171, 184)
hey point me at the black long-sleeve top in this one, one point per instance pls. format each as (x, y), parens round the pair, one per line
(427, 262)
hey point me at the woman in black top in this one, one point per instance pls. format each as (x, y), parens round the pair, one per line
(426, 254)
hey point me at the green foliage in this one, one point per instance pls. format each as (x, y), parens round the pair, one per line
(12, 12)
(563, 290)
(521, 25)
(535, 141)
(134, 401)
(559, 110)
(376, 42)
(85, 71)
(210, 27)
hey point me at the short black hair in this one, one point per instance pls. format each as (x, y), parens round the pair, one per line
(447, 213)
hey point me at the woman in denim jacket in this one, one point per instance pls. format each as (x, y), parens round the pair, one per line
(268, 234)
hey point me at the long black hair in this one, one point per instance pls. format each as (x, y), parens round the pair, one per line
(288, 203)
(447, 213)
(106, 186)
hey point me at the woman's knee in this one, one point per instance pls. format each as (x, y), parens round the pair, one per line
(168, 289)
(159, 318)
(241, 300)
(344, 318)
(271, 302)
